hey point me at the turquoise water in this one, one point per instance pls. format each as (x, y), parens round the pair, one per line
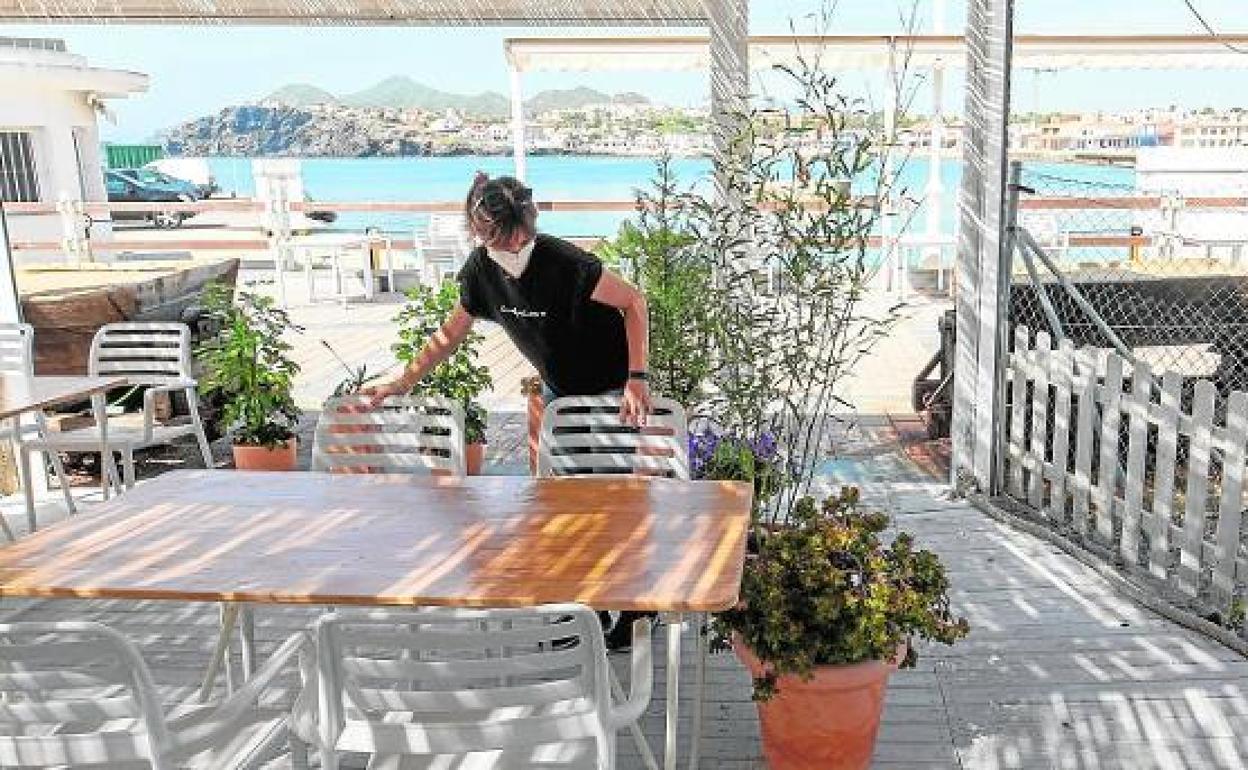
(563, 178)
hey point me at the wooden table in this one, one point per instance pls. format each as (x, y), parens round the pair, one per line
(492, 541)
(20, 394)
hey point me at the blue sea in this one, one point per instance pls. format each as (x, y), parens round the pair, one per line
(573, 178)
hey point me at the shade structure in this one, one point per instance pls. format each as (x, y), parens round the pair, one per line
(872, 52)
(541, 13)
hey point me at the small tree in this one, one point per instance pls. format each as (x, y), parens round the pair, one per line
(248, 364)
(460, 377)
(656, 254)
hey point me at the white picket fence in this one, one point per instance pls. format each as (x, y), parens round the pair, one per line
(1107, 453)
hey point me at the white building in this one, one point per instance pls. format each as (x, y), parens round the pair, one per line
(49, 139)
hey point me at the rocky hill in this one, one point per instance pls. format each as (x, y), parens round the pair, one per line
(302, 120)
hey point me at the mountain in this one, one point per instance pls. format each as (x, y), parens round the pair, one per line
(300, 95)
(402, 92)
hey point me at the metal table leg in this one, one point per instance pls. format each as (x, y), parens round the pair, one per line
(675, 624)
(699, 693)
(108, 468)
(229, 616)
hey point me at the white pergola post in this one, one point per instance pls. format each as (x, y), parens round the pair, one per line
(982, 270)
(935, 186)
(729, 28)
(518, 149)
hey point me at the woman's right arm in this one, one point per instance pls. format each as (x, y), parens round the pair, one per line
(439, 347)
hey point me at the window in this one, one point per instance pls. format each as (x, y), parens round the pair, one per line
(19, 181)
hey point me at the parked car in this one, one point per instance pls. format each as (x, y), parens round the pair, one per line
(123, 189)
(154, 178)
(197, 171)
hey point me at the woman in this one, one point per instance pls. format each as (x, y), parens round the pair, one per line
(582, 327)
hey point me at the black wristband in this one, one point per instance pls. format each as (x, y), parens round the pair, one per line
(639, 374)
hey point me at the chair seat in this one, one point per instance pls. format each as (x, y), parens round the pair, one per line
(119, 435)
(569, 754)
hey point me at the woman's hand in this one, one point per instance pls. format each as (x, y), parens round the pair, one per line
(378, 393)
(635, 408)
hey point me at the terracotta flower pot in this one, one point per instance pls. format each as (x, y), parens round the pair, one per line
(259, 458)
(829, 722)
(474, 457)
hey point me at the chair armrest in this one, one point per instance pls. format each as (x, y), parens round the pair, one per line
(641, 678)
(200, 729)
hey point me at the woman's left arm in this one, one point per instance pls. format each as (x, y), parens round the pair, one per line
(618, 293)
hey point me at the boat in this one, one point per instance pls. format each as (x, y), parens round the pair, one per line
(67, 304)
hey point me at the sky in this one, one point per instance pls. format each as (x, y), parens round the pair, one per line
(196, 71)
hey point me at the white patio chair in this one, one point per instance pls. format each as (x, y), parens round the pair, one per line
(405, 434)
(76, 694)
(502, 688)
(584, 435)
(17, 357)
(441, 248)
(154, 355)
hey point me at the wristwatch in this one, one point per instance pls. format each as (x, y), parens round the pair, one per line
(639, 374)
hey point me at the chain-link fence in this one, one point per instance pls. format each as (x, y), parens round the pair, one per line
(1164, 276)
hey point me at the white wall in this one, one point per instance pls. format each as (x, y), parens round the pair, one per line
(52, 116)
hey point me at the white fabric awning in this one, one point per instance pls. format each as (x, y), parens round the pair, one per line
(872, 52)
(528, 13)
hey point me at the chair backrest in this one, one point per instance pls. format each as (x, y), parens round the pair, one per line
(405, 434)
(145, 353)
(584, 434)
(17, 346)
(447, 230)
(526, 682)
(72, 694)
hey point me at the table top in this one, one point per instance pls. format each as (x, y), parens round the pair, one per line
(312, 538)
(20, 393)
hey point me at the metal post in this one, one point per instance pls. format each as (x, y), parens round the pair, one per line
(983, 281)
(519, 152)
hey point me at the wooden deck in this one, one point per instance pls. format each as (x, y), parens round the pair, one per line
(1059, 670)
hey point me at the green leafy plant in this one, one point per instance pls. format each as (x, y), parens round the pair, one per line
(824, 589)
(718, 456)
(460, 377)
(248, 364)
(656, 255)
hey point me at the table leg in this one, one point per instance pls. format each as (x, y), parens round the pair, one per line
(699, 693)
(229, 616)
(247, 631)
(675, 624)
(108, 468)
(369, 289)
(309, 277)
(4, 525)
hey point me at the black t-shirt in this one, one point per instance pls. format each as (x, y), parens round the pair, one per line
(579, 346)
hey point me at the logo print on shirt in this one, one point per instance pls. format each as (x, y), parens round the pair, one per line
(522, 313)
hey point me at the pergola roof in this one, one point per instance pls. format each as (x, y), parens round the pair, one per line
(872, 52)
(531, 13)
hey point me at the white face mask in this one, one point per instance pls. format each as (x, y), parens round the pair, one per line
(512, 262)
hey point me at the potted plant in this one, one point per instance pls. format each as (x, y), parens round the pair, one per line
(828, 610)
(460, 377)
(248, 365)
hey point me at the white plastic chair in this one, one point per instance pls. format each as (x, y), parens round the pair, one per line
(76, 694)
(443, 687)
(155, 355)
(17, 357)
(405, 434)
(441, 248)
(584, 435)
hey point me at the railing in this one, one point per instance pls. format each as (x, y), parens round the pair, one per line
(1148, 472)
